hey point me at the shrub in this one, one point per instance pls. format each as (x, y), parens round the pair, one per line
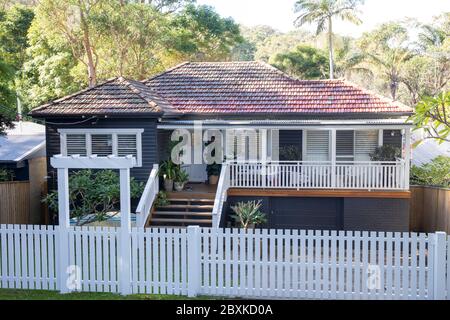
(435, 173)
(248, 213)
(386, 153)
(93, 192)
(6, 175)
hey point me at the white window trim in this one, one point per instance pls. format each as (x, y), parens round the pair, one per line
(114, 132)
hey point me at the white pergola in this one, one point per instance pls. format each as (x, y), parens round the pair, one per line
(123, 164)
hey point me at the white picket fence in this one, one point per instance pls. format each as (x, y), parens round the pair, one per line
(293, 264)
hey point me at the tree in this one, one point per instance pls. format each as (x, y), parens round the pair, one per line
(50, 70)
(133, 35)
(322, 12)
(72, 20)
(6, 97)
(304, 62)
(433, 115)
(14, 25)
(200, 33)
(385, 51)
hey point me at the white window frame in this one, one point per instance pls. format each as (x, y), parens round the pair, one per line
(114, 132)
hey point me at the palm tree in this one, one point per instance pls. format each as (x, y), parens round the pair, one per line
(322, 13)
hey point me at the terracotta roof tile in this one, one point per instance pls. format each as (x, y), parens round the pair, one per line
(115, 96)
(255, 87)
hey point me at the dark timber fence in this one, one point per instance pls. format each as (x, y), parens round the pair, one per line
(430, 209)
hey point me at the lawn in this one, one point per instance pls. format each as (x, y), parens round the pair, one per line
(12, 294)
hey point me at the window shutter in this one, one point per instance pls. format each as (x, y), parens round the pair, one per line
(102, 144)
(126, 145)
(76, 144)
(317, 145)
(365, 143)
(345, 145)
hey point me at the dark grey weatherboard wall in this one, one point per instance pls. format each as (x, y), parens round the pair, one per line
(354, 214)
(149, 140)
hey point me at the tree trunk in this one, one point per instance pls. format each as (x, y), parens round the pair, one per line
(91, 66)
(330, 45)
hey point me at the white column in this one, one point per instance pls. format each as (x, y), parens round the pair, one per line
(380, 138)
(64, 224)
(407, 148)
(125, 231)
(333, 158)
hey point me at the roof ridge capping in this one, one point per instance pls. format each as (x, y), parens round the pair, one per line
(129, 84)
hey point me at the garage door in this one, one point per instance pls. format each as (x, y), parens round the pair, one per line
(305, 213)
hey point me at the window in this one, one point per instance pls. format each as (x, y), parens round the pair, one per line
(76, 144)
(317, 145)
(365, 143)
(345, 145)
(102, 142)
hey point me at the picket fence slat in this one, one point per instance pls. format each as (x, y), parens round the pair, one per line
(293, 264)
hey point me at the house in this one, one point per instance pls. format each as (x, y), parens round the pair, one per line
(312, 168)
(23, 153)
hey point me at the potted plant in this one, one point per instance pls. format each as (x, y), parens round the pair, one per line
(181, 179)
(168, 171)
(386, 152)
(213, 171)
(247, 214)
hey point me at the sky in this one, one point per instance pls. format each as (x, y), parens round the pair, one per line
(279, 13)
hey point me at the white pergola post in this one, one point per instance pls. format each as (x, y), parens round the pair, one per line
(123, 164)
(64, 224)
(125, 232)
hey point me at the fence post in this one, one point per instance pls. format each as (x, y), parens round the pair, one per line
(194, 264)
(440, 242)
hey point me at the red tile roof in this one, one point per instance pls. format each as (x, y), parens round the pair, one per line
(114, 96)
(256, 87)
(222, 88)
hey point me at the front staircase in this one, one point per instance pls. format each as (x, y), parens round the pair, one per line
(184, 209)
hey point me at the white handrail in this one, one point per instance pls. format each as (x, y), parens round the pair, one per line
(221, 195)
(148, 197)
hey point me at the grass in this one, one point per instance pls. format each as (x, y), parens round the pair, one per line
(13, 294)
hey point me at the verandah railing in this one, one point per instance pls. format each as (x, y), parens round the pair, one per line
(386, 175)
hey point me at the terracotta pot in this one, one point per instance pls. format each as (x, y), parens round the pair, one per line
(168, 185)
(213, 180)
(179, 186)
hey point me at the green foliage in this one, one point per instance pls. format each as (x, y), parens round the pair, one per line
(435, 173)
(161, 199)
(290, 153)
(6, 98)
(182, 176)
(248, 213)
(433, 115)
(13, 34)
(93, 192)
(213, 169)
(386, 152)
(6, 175)
(169, 170)
(304, 62)
(200, 33)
